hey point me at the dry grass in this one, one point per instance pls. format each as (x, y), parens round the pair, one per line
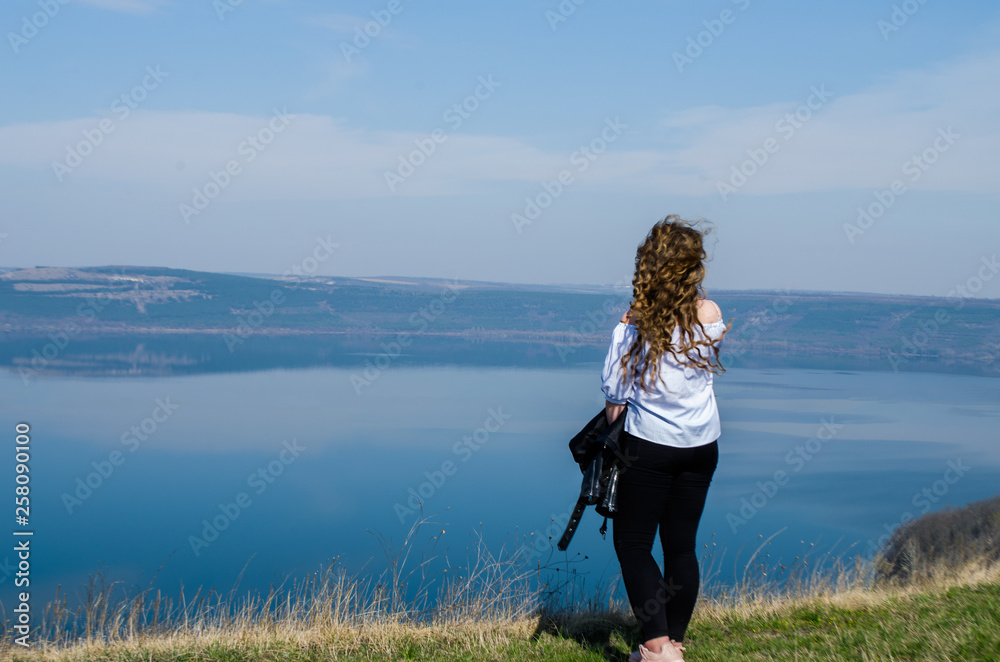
(485, 602)
(492, 608)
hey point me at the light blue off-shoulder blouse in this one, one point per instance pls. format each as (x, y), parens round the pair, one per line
(680, 409)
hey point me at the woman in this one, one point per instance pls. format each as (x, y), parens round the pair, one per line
(661, 362)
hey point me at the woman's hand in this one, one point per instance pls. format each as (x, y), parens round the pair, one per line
(627, 317)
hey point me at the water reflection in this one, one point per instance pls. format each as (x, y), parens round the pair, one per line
(289, 468)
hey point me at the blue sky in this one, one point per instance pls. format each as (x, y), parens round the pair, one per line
(777, 122)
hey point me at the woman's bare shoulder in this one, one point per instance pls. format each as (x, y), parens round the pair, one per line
(708, 311)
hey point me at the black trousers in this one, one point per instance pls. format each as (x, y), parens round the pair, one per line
(662, 486)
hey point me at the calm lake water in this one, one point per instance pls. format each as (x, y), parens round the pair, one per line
(296, 467)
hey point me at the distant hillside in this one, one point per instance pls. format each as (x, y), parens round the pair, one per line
(954, 538)
(129, 305)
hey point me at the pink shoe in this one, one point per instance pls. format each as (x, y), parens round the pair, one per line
(668, 654)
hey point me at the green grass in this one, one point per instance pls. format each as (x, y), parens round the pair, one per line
(959, 623)
(956, 622)
(494, 608)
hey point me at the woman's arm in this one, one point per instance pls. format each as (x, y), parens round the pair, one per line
(612, 411)
(611, 374)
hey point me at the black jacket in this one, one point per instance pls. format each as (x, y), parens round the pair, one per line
(597, 448)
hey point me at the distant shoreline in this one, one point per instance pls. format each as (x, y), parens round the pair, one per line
(53, 315)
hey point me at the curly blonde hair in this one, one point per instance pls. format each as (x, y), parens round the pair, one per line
(669, 269)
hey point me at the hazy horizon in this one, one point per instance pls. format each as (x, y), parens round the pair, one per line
(526, 284)
(834, 147)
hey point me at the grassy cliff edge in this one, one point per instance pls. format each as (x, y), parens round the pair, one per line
(940, 610)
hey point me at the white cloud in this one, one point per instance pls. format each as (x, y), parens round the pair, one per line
(336, 72)
(127, 6)
(313, 157)
(342, 24)
(854, 141)
(347, 27)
